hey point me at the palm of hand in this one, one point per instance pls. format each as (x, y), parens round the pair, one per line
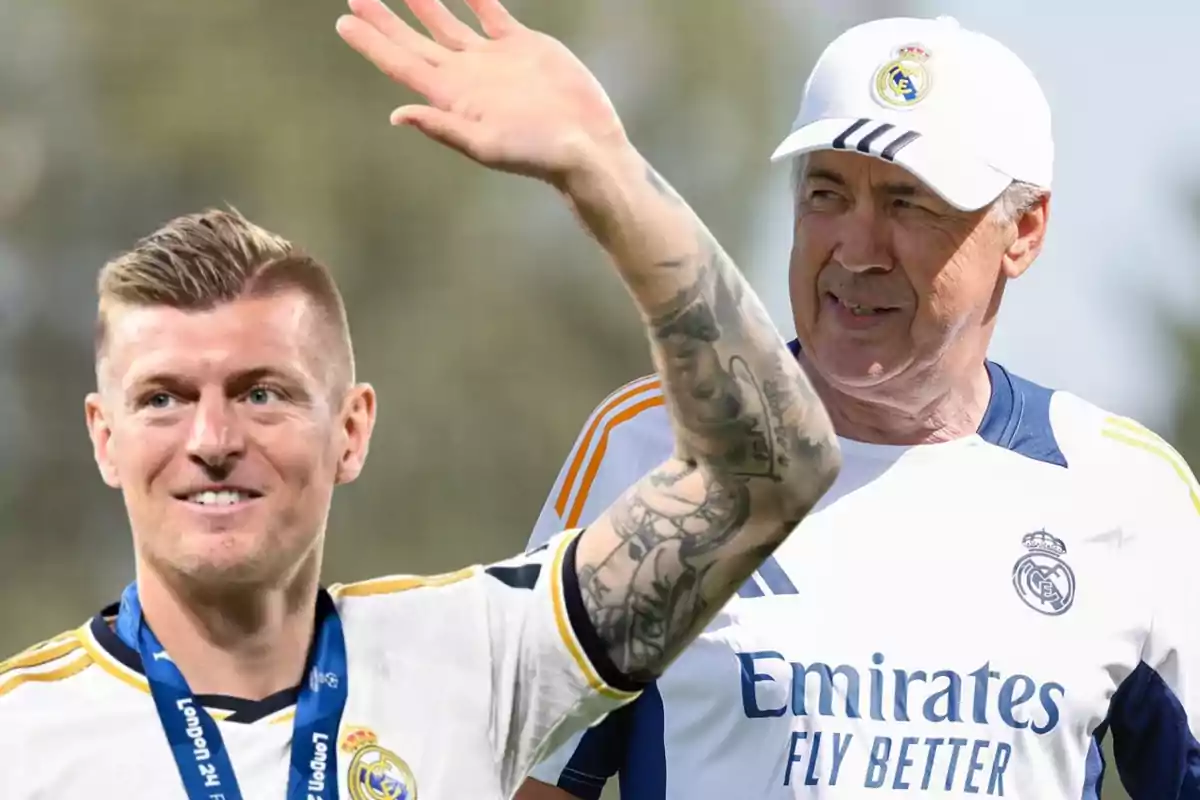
(515, 100)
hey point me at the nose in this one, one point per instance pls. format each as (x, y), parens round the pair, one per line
(863, 244)
(216, 440)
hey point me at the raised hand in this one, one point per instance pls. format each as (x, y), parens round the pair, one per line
(512, 98)
(755, 449)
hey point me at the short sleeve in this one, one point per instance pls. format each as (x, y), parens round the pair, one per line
(1154, 715)
(552, 677)
(624, 437)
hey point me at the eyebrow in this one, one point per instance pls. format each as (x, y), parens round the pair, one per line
(261, 373)
(895, 188)
(819, 174)
(165, 380)
(239, 381)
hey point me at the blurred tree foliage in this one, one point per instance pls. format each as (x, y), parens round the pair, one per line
(489, 324)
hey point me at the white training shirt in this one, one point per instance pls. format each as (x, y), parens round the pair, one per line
(954, 620)
(457, 683)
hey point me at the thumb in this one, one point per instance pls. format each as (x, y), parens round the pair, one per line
(452, 130)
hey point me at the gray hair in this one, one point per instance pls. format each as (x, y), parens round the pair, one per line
(1016, 199)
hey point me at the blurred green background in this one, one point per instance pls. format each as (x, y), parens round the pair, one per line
(489, 324)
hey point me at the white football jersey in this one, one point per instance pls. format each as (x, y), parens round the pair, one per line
(456, 685)
(953, 620)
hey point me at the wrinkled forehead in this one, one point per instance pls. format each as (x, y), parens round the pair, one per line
(278, 333)
(858, 169)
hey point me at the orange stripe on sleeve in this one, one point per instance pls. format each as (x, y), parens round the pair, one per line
(589, 476)
(637, 387)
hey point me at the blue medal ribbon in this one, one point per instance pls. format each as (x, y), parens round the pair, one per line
(195, 740)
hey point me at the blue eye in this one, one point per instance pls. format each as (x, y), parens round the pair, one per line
(159, 400)
(261, 395)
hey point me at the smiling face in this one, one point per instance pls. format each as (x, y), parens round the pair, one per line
(225, 410)
(889, 284)
(226, 430)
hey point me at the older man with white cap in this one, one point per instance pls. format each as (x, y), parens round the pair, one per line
(1001, 574)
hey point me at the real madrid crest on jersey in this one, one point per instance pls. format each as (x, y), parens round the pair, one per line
(905, 80)
(1041, 576)
(376, 773)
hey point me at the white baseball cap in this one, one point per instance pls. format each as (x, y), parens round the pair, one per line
(954, 107)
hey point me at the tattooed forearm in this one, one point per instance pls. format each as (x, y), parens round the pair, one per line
(647, 593)
(754, 447)
(691, 532)
(712, 388)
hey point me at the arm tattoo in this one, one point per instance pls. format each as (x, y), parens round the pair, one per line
(647, 591)
(689, 533)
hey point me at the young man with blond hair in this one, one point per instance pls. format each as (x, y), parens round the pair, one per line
(227, 411)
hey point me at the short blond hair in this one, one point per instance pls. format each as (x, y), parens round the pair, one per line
(200, 261)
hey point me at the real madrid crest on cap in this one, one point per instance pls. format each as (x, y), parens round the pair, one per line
(376, 773)
(904, 81)
(1042, 579)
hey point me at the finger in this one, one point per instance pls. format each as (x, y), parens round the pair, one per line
(384, 20)
(443, 26)
(397, 62)
(494, 18)
(454, 131)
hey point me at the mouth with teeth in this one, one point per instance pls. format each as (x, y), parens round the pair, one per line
(219, 498)
(861, 309)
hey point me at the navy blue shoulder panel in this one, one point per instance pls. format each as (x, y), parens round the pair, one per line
(1018, 417)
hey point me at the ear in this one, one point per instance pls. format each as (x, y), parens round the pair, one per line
(358, 421)
(101, 436)
(1029, 235)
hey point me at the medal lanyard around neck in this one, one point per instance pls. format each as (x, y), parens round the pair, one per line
(195, 740)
